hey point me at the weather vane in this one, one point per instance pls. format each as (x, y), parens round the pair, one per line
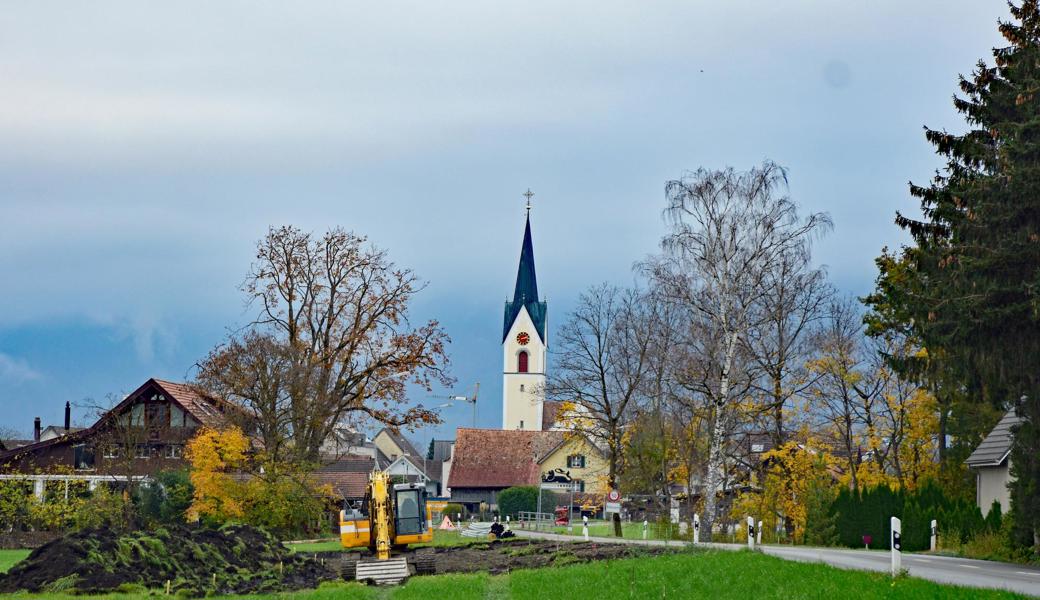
(528, 194)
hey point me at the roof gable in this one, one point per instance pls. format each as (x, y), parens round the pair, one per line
(402, 443)
(996, 446)
(569, 442)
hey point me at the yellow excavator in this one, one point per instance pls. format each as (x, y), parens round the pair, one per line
(391, 517)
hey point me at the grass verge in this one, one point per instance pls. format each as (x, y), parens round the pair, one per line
(701, 574)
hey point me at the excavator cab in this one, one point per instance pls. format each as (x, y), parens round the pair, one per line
(392, 517)
(410, 518)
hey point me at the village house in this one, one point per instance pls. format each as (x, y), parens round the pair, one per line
(147, 431)
(991, 462)
(487, 461)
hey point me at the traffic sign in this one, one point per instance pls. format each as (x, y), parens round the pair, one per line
(612, 507)
(613, 496)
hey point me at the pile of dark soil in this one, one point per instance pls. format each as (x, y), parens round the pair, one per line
(195, 562)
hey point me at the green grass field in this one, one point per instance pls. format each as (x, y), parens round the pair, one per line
(9, 557)
(702, 574)
(631, 531)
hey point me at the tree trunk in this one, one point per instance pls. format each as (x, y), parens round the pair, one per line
(715, 458)
(714, 477)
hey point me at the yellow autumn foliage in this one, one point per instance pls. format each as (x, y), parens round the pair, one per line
(230, 485)
(214, 456)
(783, 500)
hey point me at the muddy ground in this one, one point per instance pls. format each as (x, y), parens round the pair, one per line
(239, 560)
(501, 557)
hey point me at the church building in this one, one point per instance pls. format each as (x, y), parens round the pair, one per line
(531, 448)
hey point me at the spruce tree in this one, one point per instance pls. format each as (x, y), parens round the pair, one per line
(973, 290)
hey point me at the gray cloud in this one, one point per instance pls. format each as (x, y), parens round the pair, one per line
(148, 145)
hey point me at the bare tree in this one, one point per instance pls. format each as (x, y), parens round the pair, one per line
(603, 351)
(332, 341)
(729, 232)
(121, 443)
(794, 299)
(846, 386)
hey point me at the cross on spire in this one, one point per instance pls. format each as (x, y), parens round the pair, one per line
(528, 194)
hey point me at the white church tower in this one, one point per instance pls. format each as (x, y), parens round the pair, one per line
(524, 345)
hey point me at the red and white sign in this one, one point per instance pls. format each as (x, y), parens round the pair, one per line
(613, 496)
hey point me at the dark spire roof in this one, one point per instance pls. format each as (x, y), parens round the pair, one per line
(526, 291)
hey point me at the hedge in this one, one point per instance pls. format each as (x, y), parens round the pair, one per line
(868, 513)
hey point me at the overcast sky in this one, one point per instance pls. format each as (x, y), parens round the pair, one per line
(147, 146)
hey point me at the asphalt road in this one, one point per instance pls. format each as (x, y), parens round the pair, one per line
(941, 569)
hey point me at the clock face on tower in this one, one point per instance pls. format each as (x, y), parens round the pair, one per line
(522, 338)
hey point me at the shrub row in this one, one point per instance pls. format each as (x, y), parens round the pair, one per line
(868, 512)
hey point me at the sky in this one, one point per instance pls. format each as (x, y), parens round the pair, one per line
(147, 146)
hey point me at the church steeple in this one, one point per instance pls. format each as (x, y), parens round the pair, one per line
(525, 294)
(524, 344)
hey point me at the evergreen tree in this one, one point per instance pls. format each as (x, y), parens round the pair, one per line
(429, 451)
(972, 287)
(994, 517)
(821, 524)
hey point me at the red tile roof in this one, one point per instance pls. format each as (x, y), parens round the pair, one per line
(499, 458)
(551, 411)
(347, 475)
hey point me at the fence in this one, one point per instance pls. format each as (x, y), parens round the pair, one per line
(537, 521)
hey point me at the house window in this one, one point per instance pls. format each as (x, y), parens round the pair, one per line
(141, 451)
(576, 461)
(111, 451)
(84, 457)
(521, 387)
(521, 362)
(177, 417)
(137, 415)
(174, 451)
(157, 415)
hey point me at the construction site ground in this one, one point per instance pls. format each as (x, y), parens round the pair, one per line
(687, 574)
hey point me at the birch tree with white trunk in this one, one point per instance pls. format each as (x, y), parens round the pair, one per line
(729, 233)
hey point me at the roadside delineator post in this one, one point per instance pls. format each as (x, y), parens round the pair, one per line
(645, 523)
(696, 528)
(896, 540)
(751, 533)
(585, 527)
(935, 535)
(758, 534)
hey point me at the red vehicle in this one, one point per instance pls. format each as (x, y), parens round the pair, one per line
(563, 515)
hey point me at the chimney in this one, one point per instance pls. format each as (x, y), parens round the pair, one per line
(68, 416)
(36, 429)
